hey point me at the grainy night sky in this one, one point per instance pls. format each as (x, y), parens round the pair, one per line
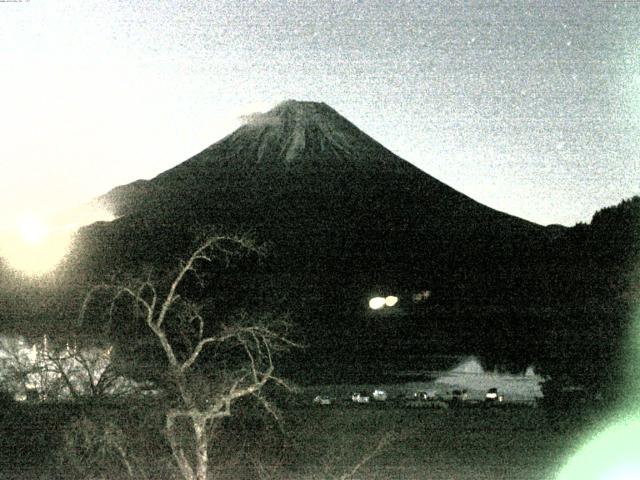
(532, 108)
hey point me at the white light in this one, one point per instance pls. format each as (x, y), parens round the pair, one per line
(35, 246)
(376, 303)
(32, 230)
(390, 301)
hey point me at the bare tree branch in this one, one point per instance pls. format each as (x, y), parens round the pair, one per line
(366, 458)
(256, 338)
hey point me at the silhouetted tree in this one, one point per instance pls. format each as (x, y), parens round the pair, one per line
(594, 268)
(240, 360)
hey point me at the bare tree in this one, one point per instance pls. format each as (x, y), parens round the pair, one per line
(205, 395)
(27, 369)
(88, 445)
(18, 366)
(87, 371)
(61, 369)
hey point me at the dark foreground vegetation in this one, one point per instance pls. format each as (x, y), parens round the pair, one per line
(160, 331)
(126, 440)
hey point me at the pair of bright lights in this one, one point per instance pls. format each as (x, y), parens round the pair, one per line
(376, 303)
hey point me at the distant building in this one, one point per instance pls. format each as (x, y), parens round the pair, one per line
(469, 375)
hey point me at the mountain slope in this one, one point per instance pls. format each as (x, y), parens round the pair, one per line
(346, 219)
(302, 172)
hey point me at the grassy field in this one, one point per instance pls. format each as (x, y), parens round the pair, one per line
(520, 443)
(311, 442)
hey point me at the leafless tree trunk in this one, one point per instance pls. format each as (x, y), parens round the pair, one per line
(258, 339)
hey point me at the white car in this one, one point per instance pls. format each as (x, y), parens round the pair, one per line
(493, 396)
(380, 395)
(424, 395)
(358, 397)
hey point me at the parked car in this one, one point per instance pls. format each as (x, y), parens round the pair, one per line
(359, 397)
(425, 395)
(380, 395)
(322, 400)
(493, 397)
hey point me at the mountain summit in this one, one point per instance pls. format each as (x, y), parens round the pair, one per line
(296, 137)
(300, 129)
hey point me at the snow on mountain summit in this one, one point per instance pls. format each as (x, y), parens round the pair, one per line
(299, 129)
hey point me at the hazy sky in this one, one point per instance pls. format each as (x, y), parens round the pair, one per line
(532, 108)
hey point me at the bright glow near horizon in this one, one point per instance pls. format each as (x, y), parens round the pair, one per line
(32, 230)
(34, 245)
